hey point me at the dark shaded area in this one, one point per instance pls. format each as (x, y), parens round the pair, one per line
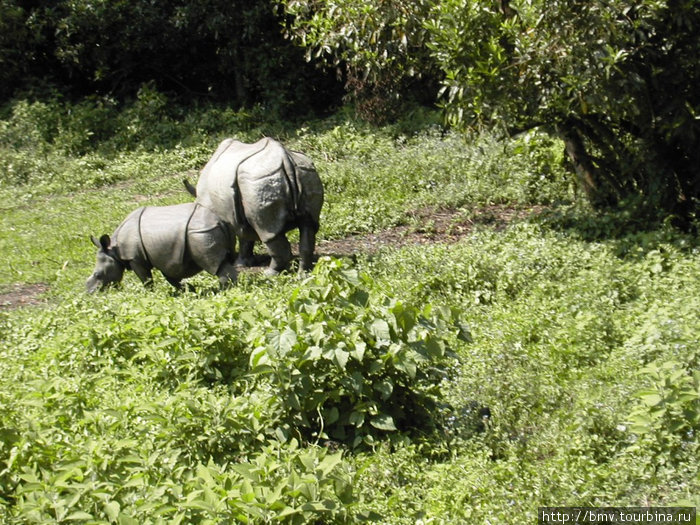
(212, 51)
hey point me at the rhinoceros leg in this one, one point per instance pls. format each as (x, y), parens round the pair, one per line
(175, 283)
(245, 255)
(227, 275)
(281, 253)
(307, 241)
(143, 272)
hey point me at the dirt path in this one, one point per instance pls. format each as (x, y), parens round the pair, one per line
(427, 226)
(22, 295)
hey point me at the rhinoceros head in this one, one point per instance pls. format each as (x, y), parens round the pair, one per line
(108, 269)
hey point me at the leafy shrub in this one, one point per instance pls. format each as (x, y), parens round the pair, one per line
(139, 406)
(86, 125)
(353, 364)
(666, 409)
(190, 408)
(669, 408)
(30, 126)
(281, 483)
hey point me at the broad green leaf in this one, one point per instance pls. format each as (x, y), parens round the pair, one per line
(288, 511)
(356, 382)
(247, 492)
(283, 342)
(640, 423)
(259, 358)
(79, 515)
(407, 367)
(358, 351)
(319, 506)
(434, 347)
(328, 463)
(127, 520)
(288, 339)
(649, 397)
(308, 459)
(356, 418)
(317, 332)
(332, 416)
(380, 330)
(385, 388)
(112, 510)
(351, 276)
(194, 503)
(383, 422)
(313, 353)
(204, 474)
(168, 341)
(247, 471)
(293, 400)
(341, 357)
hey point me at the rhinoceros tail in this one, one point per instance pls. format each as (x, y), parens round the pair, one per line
(190, 189)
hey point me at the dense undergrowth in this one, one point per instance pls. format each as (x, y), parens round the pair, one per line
(549, 363)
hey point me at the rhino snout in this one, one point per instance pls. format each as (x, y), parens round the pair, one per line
(92, 284)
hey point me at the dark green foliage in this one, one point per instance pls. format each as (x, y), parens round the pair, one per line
(213, 50)
(381, 47)
(614, 79)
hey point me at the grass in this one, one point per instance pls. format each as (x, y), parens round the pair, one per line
(139, 406)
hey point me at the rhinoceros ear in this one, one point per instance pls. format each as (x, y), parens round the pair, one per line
(103, 243)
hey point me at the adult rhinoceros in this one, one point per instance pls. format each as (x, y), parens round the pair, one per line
(262, 191)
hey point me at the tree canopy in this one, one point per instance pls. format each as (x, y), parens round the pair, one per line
(616, 80)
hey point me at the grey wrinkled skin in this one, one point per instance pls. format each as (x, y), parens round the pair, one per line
(180, 241)
(262, 191)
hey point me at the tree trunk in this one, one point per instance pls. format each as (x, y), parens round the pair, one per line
(581, 160)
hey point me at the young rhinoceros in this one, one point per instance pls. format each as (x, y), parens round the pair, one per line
(179, 240)
(261, 191)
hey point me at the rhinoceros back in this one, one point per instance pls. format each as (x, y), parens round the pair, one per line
(217, 187)
(164, 237)
(269, 192)
(126, 238)
(252, 187)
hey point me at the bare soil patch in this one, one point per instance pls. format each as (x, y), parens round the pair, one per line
(428, 226)
(22, 295)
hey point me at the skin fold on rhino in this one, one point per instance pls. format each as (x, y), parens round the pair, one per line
(179, 240)
(262, 191)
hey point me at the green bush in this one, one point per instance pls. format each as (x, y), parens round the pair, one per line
(352, 364)
(208, 397)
